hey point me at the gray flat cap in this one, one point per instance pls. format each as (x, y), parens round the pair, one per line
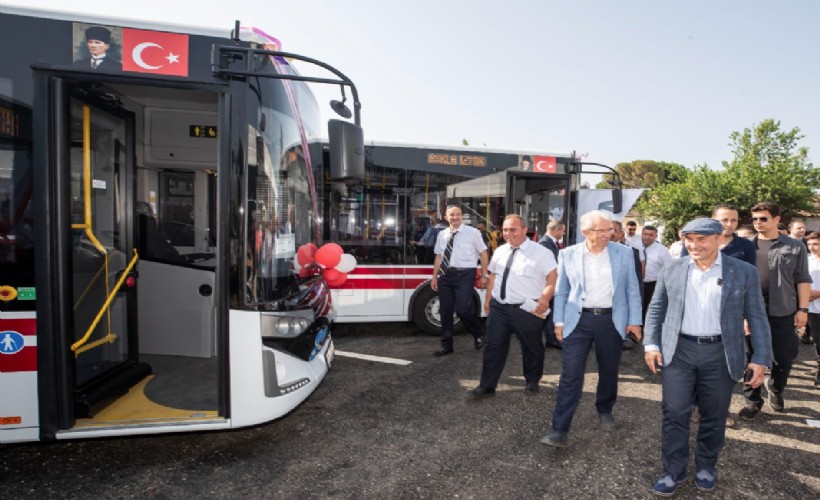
(703, 225)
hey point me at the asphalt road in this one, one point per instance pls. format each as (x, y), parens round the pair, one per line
(380, 430)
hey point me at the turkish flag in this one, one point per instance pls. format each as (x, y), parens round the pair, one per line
(154, 52)
(544, 164)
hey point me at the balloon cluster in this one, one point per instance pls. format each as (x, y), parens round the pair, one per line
(330, 260)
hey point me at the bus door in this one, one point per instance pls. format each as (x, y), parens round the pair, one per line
(103, 256)
(538, 198)
(87, 200)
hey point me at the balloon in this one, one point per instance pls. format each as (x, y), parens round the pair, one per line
(296, 266)
(329, 255)
(304, 272)
(347, 264)
(306, 254)
(333, 277)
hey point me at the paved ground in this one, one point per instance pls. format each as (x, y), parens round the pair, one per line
(382, 430)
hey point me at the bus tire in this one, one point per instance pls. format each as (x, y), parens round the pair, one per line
(426, 314)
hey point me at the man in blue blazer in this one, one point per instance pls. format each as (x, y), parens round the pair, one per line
(597, 300)
(695, 331)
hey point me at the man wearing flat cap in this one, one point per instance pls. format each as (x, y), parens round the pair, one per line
(694, 330)
(98, 41)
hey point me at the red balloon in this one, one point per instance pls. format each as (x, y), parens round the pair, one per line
(329, 255)
(306, 254)
(333, 277)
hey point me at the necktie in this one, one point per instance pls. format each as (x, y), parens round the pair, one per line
(445, 260)
(506, 274)
(94, 63)
(645, 258)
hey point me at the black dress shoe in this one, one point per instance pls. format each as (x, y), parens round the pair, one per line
(531, 388)
(442, 352)
(479, 343)
(482, 392)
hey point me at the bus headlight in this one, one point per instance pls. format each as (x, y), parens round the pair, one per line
(285, 326)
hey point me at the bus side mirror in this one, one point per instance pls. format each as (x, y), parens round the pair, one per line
(346, 150)
(617, 200)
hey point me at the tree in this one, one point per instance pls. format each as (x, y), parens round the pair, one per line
(768, 164)
(644, 174)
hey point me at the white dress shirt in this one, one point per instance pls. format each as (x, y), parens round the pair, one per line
(814, 272)
(467, 246)
(701, 307)
(528, 271)
(597, 279)
(655, 256)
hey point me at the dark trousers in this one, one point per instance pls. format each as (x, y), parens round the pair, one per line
(455, 295)
(608, 348)
(702, 369)
(548, 329)
(648, 291)
(785, 347)
(504, 321)
(814, 323)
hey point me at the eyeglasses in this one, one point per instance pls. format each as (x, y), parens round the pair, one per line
(761, 219)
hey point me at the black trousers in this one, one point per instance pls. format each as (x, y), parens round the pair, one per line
(503, 322)
(648, 291)
(455, 295)
(785, 347)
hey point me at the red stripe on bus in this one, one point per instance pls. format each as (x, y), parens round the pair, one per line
(23, 361)
(412, 271)
(27, 326)
(381, 284)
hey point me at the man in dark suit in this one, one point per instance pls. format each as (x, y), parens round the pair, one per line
(553, 237)
(695, 331)
(597, 301)
(552, 241)
(98, 41)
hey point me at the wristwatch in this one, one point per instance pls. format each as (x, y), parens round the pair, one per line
(803, 309)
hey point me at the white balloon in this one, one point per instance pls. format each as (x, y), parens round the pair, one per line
(296, 265)
(347, 264)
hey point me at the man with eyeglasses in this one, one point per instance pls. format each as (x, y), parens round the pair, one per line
(783, 267)
(597, 301)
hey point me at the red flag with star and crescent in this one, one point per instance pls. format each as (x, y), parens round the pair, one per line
(154, 52)
(544, 164)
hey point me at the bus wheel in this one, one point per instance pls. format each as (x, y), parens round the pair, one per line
(427, 314)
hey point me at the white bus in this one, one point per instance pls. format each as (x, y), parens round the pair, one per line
(151, 205)
(407, 188)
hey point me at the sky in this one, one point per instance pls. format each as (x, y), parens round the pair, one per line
(616, 80)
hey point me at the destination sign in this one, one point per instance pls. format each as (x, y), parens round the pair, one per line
(456, 160)
(9, 123)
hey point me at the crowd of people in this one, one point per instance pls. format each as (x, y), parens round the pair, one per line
(724, 303)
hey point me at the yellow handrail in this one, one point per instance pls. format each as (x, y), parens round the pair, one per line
(110, 337)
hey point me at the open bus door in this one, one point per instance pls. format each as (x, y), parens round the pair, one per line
(538, 198)
(88, 205)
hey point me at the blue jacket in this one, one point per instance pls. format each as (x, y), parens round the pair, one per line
(570, 292)
(740, 299)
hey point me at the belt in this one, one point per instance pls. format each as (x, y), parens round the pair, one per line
(708, 339)
(461, 269)
(597, 311)
(506, 305)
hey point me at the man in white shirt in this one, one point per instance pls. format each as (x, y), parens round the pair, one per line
(813, 242)
(655, 256)
(458, 249)
(633, 238)
(597, 301)
(521, 286)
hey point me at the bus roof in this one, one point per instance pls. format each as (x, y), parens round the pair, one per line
(509, 151)
(66, 15)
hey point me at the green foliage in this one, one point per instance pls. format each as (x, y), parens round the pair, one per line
(644, 174)
(768, 164)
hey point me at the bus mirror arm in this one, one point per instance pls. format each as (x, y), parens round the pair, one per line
(577, 167)
(222, 55)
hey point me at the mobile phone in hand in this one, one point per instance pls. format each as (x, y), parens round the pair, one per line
(748, 375)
